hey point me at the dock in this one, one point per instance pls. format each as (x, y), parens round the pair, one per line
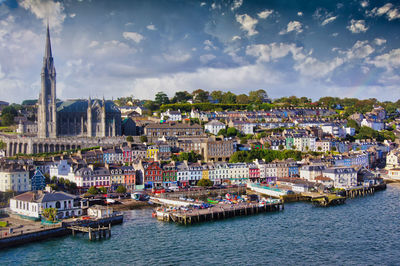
(218, 212)
(94, 233)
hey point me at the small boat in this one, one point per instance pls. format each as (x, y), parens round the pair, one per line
(110, 200)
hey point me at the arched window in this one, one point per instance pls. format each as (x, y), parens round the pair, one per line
(58, 205)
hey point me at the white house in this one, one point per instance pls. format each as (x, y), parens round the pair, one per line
(32, 204)
(393, 159)
(374, 124)
(343, 177)
(214, 127)
(99, 211)
(310, 172)
(172, 115)
(15, 179)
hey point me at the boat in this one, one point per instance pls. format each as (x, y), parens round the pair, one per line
(108, 200)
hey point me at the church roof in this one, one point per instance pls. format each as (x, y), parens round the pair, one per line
(81, 106)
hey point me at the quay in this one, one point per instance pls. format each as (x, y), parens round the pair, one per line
(218, 212)
(98, 226)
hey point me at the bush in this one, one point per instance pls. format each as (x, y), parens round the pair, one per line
(129, 139)
(205, 182)
(93, 191)
(143, 138)
(121, 189)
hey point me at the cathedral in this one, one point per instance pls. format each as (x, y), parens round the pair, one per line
(83, 118)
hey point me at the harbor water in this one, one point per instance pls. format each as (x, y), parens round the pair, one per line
(363, 231)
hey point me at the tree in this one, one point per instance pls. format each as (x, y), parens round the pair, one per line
(103, 190)
(151, 105)
(50, 214)
(2, 145)
(222, 132)
(242, 99)
(161, 98)
(353, 124)
(200, 96)
(93, 190)
(121, 189)
(258, 96)
(217, 96)
(7, 119)
(143, 138)
(281, 147)
(228, 98)
(231, 132)
(54, 179)
(129, 139)
(205, 182)
(181, 97)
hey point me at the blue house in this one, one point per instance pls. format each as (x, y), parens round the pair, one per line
(38, 180)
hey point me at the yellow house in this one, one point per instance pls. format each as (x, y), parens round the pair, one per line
(205, 172)
(152, 152)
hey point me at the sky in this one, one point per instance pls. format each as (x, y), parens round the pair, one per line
(133, 48)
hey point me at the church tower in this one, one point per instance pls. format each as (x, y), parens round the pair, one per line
(47, 113)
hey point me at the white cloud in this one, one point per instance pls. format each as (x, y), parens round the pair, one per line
(315, 68)
(93, 44)
(208, 45)
(151, 27)
(247, 24)
(206, 58)
(234, 79)
(46, 10)
(328, 20)
(113, 49)
(72, 15)
(265, 14)
(364, 4)
(236, 4)
(268, 52)
(361, 49)
(134, 36)
(379, 41)
(292, 26)
(300, 14)
(234, 38)
(357, 26)
(178, 57)
(388, 9)
(202, 4)
(335, 34)
(389, 60)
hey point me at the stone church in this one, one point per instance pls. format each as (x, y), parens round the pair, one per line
(83, 118)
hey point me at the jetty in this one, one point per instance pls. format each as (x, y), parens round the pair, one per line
(94, 233)
(217, 212)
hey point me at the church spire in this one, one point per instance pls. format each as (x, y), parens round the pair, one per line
(47, 51)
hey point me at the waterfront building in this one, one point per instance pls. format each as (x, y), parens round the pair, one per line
(169, 174)
(310, 172)
(14, 178)
(393, 159)
(32, 204)
(214, 127)
(343, 177)
(153, 176)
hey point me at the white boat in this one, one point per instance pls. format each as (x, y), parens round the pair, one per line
(110, 200)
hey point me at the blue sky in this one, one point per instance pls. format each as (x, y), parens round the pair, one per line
(137, 48)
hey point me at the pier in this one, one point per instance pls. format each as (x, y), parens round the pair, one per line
(94, 233)
(218, 212)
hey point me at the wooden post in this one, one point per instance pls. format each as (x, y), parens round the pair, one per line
(109, 230)
(90, 233)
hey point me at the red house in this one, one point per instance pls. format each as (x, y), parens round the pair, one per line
(153, 175)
